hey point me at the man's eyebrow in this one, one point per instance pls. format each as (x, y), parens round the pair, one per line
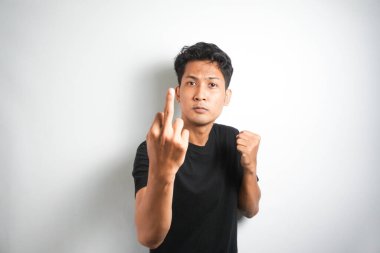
(196, 78)
(192, 77)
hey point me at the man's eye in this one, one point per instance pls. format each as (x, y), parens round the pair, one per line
(191, 83)
(213, 85)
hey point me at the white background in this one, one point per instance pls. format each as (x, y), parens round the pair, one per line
(80, 82)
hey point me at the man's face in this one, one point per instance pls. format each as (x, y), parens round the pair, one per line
(202, 93)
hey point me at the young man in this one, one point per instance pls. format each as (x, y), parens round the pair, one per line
(192, 175)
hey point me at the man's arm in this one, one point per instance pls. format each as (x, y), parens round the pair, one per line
(153, 213)
(249, 195)
(166, 145)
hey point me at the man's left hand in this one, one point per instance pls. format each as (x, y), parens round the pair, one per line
(248, 145)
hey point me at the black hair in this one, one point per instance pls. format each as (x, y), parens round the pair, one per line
(203, 51)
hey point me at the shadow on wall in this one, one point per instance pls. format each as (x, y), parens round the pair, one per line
(149, 94)
(103, 203)
(150, 98)
(5, 187)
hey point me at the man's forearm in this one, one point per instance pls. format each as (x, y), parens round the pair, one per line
(249, 195)
(154, 211)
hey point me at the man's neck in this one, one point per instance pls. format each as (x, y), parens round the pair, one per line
(199, 134)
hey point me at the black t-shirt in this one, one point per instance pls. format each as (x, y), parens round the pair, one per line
(205, 199)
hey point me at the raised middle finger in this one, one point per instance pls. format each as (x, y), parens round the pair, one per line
(169, 108)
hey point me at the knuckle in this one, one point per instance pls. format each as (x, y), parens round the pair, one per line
(178, 122)
(159, 116)
(153, 133)
(182, 147)
(166, 138)
(150, 137)
(177, 145)
(167, 132)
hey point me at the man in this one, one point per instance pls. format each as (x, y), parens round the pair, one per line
(192, 175)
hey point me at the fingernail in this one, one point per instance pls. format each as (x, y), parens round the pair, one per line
(171, 91)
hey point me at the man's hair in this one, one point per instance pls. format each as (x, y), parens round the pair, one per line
(203, 51)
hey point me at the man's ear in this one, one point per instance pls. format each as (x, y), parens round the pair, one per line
(177, 93)
(227, 97)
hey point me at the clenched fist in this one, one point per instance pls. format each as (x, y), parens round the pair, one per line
(248, 145)
(167, 142)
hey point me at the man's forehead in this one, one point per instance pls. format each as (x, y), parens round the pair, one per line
(196, 69)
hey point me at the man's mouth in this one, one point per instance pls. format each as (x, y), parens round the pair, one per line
(200, 109)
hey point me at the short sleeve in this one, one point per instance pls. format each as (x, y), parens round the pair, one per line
(141, 167)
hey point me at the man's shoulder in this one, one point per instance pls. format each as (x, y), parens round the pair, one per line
(142, 144)
(225, 129)
(142, 149)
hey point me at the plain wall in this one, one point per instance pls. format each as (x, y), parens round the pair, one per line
(80, 82)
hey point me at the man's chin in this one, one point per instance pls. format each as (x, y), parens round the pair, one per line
(201, 123)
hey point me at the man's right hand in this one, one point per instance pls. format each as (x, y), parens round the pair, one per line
(167, 142)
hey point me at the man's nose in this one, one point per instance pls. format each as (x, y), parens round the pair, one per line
(200, 93)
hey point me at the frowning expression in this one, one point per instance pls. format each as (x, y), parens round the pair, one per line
(202, 93)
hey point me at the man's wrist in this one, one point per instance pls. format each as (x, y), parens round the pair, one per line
(250, 174)
(250, 170)
(160, 177)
